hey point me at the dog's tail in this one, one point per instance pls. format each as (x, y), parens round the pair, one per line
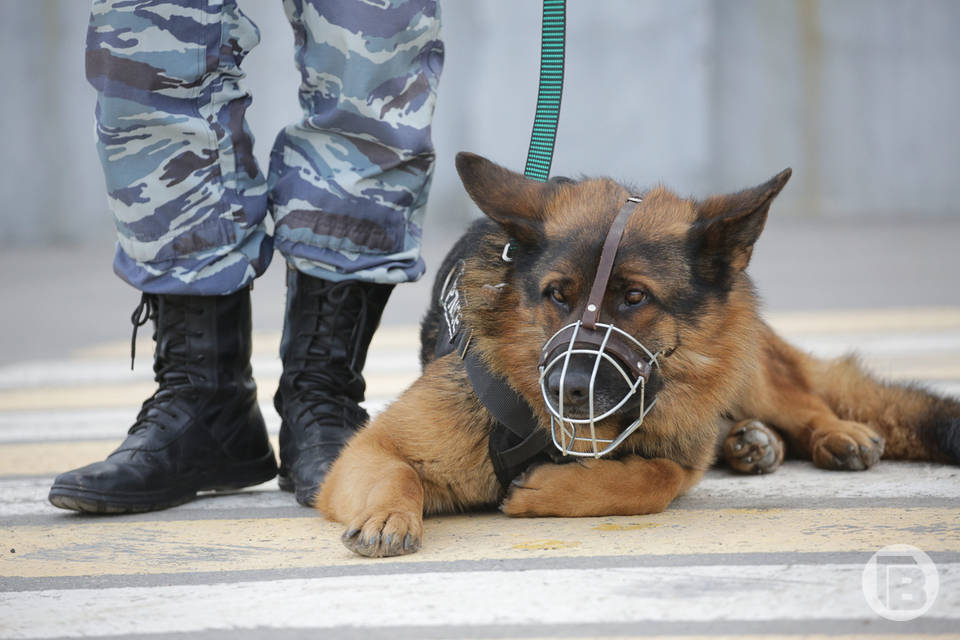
(917, 424)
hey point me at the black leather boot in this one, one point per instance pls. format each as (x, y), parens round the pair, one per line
(201, 430)
(326, 332)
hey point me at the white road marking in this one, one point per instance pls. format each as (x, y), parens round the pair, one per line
(800, 480)
(399, 353)
(797, 483)
(464, 599)
(921, 343)
(853, 320)
(103, 424)
(880, 344)
(28, 497)
(47, 373)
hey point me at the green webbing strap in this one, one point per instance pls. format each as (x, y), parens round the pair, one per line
(540, 154)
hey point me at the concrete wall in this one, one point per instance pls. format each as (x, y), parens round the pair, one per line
(860, 97)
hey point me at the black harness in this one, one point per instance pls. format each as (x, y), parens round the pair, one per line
(516, 441)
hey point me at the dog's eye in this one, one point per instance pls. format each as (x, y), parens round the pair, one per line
(635, 297)
(557, 296)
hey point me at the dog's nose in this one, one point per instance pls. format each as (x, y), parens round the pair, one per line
(576, 387)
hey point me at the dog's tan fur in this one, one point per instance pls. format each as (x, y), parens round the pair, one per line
(427, 452)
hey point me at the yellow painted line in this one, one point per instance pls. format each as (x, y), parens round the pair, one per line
(98, 396)
(852, 320)
(110, 396)
(111, 546)
(52, 458)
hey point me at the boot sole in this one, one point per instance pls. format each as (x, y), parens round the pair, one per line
(77, 499)
(87, 500)
(304, 496)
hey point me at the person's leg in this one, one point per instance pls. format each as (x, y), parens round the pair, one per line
(189, 204)
(349, 182)
(187, 197)
(348, 188)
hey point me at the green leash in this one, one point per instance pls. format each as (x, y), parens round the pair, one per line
(540, 153)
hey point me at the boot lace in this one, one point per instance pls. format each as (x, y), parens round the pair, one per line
(172, 365)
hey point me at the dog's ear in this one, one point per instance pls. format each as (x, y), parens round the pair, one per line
(728, 226)
(509, 199)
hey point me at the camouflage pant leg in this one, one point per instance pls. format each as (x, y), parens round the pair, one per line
(186, 193)
(349, 182)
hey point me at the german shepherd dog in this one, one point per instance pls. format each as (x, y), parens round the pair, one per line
(527, 285)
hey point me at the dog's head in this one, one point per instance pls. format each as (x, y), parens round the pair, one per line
(677, 267)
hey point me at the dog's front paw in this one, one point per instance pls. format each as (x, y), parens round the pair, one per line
(384, 534)
(752, 447)
(849, 447)
(545, 490)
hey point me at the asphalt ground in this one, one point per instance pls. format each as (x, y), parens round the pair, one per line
(785, 555)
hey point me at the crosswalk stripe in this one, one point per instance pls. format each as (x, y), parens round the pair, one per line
(117, 370)
(388, 566)
(25, 500)
(265, 343)
(103, 395)
(901, 348)
(944, 377)
(114, 546)
(50, 458)
(863, 320)
(762, 555)
(796, 485)
(108, 424)
(20, 459)
(461, 600)
(872, 345)
(924, 359)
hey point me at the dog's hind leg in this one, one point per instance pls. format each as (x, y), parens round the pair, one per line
(751, 447)
(785, 396)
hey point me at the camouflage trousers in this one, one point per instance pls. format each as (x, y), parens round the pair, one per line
(347, 185)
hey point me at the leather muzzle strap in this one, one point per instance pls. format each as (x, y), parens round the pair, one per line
(607, 256)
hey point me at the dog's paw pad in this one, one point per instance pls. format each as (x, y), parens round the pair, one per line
(384, 535)
(753, 447)
(854, 448)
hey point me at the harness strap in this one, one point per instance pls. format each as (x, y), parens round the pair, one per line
(607, 256)
(515, 440)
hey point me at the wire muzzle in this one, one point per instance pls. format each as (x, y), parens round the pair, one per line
(610, 348)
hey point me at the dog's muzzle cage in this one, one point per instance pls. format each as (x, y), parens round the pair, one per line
(609, 346)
